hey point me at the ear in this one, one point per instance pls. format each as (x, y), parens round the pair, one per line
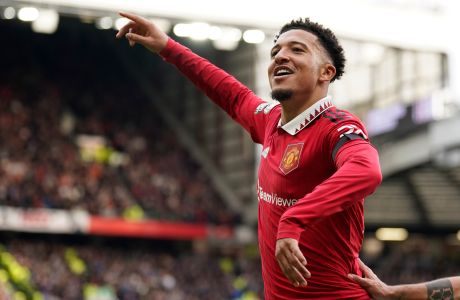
(327, 72)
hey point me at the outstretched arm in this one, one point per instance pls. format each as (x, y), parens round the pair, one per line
(222, 88)
(441, 289)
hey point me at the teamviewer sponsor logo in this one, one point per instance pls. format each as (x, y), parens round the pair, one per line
(274, 198)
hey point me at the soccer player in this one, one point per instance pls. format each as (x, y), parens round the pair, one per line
(317, 164)
(441, 289)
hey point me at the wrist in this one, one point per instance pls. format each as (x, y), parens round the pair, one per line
(166, 51)
(395, 292)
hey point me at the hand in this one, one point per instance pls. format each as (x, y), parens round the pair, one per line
(372, 284)
(292, 262)
(140, 30)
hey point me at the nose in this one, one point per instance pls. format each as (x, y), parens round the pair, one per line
(281, 56)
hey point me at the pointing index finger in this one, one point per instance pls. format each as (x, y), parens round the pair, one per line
(125, 29)
(134, 17)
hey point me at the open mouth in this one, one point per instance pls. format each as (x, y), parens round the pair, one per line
(282, 71)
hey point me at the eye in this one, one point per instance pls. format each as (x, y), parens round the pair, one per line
(297, 50)
(273, 53)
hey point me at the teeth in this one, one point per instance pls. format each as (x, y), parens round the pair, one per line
(282, 72)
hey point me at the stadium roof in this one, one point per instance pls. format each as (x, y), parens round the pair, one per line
(417, 24)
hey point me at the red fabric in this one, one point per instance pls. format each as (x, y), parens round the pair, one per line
(303, 192)
(353, 181)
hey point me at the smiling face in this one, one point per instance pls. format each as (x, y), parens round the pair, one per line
(298, 65)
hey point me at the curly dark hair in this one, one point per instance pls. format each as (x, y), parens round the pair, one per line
(327, 39)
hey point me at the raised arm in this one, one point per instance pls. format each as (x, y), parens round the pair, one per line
(441, 289)
(222, 88)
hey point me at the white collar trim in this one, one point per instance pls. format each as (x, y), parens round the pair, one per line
(307, 116)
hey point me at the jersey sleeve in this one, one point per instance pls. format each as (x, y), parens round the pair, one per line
(357, 176)
(223, 89)
(342, 128)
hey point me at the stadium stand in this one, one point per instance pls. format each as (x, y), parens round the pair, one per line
(71, 144)
(391, 204)
(421, 258)
(438, 194)
(423, 196)
(53, 268)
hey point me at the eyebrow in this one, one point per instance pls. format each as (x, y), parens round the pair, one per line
(290, 44)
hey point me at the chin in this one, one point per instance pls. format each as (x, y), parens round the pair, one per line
(281, 94)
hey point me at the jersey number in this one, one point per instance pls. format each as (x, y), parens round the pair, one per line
(351, 129)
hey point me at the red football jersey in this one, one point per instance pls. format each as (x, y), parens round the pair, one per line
(314, 174)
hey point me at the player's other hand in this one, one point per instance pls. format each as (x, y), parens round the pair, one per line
(292, 262)
(141, 31)
(372, 284)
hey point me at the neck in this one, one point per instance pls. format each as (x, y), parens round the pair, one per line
(293, 107)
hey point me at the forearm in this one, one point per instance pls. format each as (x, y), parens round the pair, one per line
(442, 289)
(358, 176)
(237, 100)
(217, 84)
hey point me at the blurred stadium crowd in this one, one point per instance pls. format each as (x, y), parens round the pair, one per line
(56, 270)
(83, 139)
(421, 258)
(116, 269)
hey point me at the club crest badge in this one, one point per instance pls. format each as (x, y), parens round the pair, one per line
(291, 158)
